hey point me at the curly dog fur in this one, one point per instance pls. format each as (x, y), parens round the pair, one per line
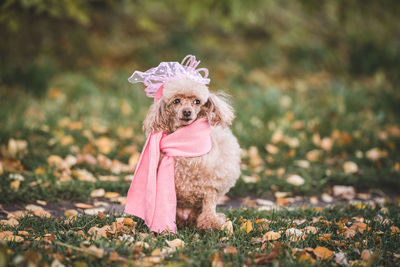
(200, 181)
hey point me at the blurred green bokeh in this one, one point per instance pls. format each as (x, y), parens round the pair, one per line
(347, 37)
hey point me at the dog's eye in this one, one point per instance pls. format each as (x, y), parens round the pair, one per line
(197, 102)
(177, 101)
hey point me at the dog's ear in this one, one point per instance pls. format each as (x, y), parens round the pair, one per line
(218, 110)
(155, 120)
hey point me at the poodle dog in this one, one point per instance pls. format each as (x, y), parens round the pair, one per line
(200, 181)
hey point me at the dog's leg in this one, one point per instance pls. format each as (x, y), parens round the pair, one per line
(208, 218)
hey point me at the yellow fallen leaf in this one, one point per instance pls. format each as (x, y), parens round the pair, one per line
(42, 213)
(32, 208)
(111, 195)
(104, 144)
(83, 206)
(271, 235)
(395, 230)
(15, 185)
(359, 226)
(323, 253)
(248, 226)
(128, 222)
(70, 213)
(66, 140)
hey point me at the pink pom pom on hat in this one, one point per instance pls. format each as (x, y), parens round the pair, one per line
(155, 78)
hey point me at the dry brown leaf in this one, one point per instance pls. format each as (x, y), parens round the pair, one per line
(227, 227)
(359, 226)
(110, 195)
(323, 253)
(366, 255)
(93, 250)
(345, 192)
(271, 236)
(32, 208)
(83, 206)
(272, 149)
(129, 222)
(350, 167)
(230, 250)
(255, 160)
(104, 144)
(176, 243)
(10, 222)
(42, 213)
(98, 192)
(84, 175)
(295, 180)
(268, 258)
(310, 229)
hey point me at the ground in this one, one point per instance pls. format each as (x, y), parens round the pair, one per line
(319, 183)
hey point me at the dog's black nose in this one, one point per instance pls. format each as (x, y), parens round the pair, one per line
(187, 112)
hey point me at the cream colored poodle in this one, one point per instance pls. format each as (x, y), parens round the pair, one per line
(200, 181)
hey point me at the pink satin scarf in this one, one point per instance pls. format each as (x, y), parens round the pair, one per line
(152, 195)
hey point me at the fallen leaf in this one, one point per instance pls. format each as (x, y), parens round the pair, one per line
(340, 258)
(366, 255)
(83, 206)
(271, 236)
(129, 222)
(250, 179)
(295, 179)
(254, 157)
(227, 227)
(344, 192)
(268, 258)
(110, 195)
(359, 226)
(217, 261)
(98, 252)
(313, 155)
(14, 185)
(272, 149)
(42, 213)
(176, 243)
(323, 253)
(84, 175)
(375, 154)
(310, 229)
(230, 250)
(94, 211)
(248, 226)
(70, 213)
(326, 198)
(10, 222)
(326, 144)
(31, 207)
(104, 144)
(98, 192)
(350, 167)
(294, 234)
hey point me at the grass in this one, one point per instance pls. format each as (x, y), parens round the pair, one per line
(85, 133)
(100, 113)
(58, 238)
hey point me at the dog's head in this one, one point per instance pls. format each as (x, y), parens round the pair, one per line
(183, 102)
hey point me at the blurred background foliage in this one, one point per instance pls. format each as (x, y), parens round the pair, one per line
(346, 37)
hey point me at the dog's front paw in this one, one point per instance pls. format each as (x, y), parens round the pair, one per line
(210, 221)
